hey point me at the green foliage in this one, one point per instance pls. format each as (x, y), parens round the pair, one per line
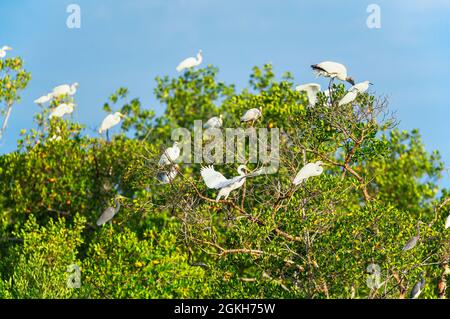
(268, 240)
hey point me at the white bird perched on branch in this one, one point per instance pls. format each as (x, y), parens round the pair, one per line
(354, 91)
(215, 180)
(170, 155)
(44, 99)
(190, 62)
(307, 171)
(65, 89)
(311, 90)
(167, 177)
(3, 51)
(447, 222)
(109, 213)
(110, 121)
(214, 122)
(332, 70)
(252, 115)
(61, 110)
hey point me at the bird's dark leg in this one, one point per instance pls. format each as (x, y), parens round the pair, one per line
(107, 136)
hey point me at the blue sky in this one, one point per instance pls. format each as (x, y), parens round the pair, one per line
(128, 43)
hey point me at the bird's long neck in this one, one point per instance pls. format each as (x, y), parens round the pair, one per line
(199, 58)
(241, 171)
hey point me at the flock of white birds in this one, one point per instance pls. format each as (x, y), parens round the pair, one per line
(212, 178)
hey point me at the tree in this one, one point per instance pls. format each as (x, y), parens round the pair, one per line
(268, 239)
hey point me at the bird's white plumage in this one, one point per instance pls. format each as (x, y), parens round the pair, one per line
(447, 222)
(190, 62)
(361, 87)
(215, 180)
(170, 155)
(44, 99)
(3, 51)
(214, 122)
(65, 89)
(307, 171)
(348, 98)
(110, 121)
(332, 70)
(311, 90)
(61, 110)
(251, 115)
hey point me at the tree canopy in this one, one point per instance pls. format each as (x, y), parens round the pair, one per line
(337, 235)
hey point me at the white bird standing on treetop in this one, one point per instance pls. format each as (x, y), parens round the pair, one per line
(215, 180)
(214, 122)
(44, 99)
(354, 91)
(170, 155)
(311, 90)
(3, 51)
(332, 70)
(110, 121)
(62, 109)
(447, 222)
(65, 89)
(307, 171)
(252, 115)
(190, 62)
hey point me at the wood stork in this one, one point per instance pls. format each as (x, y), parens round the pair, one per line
(252, 115)
(109, 213)
(190, 62)
(3, 51)
(332, 70)
(354, 91)
(44, 99)
(418, 287)
(215, 180)
(307, 171)
(311, 90)
(110, 121)
(65, 89)
(61, 110)
(167, 177)
(214, 122)
(170, 155)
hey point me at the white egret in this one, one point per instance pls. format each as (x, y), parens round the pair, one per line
(215, 180)
(3, 51)
(170, 155)
(65, 89)
(62, 109)
(167, 177)
(109, 213)
(332, 70)
(447, 222)
(348, 98)
(418, 287)
(110, 121)
(252, 115)
(311, 90)
(354, 91)
(214, 122)
(190, 62)
(44, 99)
(307, 171)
